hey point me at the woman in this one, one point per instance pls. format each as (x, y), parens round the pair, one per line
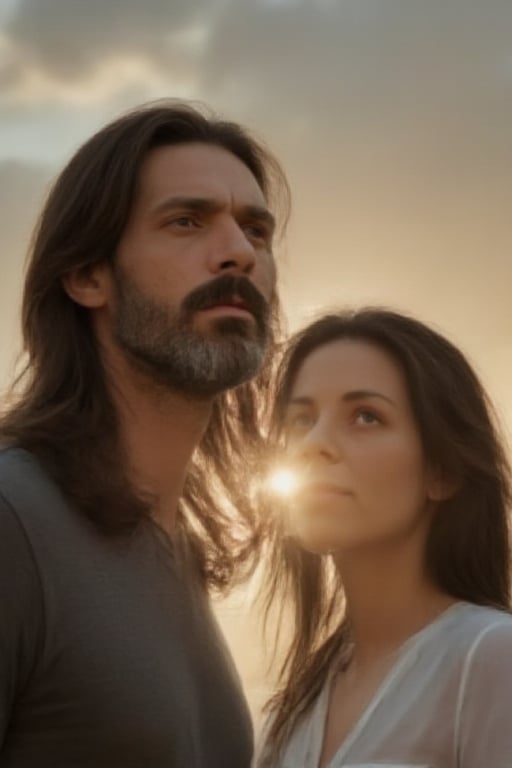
(393, 554)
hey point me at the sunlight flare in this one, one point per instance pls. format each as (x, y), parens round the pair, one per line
(283, 481)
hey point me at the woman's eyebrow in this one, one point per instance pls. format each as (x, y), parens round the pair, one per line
(299, 401)
(366, 394)
(355, 394)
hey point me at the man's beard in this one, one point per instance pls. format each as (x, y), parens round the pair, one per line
(163, 343)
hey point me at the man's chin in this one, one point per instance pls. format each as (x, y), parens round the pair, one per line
(234, 327)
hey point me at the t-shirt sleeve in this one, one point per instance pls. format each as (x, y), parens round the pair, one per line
(485, 707)
(20, 613)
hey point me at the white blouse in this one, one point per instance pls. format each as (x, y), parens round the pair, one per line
(446, 702)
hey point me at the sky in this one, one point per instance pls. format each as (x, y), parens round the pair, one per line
(392, 119)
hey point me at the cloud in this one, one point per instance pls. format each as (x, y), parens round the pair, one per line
(22, 188)
(68, 39)
(306, 63)
(74, 52)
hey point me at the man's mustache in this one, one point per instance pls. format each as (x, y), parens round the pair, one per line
(223, 290)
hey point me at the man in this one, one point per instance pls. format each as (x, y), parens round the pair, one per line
(150, 293)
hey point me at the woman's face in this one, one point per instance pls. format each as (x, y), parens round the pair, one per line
(352, 437)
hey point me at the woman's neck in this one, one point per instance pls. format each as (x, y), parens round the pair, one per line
(389, 597)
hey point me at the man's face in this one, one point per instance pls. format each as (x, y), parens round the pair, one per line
(194, 271)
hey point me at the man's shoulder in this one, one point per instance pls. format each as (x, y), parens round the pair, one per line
(20, 471)
(12, 456)
(16, 469)
(26, 488)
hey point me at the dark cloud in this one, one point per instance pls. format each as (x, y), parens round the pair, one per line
(413, 82)
(364, 65)
(403, 77)
(70, 39)
(357, 53)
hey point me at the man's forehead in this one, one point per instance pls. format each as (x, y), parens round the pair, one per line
(197, 170)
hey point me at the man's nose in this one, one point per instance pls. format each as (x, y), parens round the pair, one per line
(232, 250)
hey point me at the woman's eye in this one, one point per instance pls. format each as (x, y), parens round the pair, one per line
(299, 422)
(366, 417)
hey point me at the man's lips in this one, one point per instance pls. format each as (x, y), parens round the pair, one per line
(229, 305)
(228, 297)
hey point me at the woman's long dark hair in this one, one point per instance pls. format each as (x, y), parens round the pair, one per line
(468, 548)
(62, 411)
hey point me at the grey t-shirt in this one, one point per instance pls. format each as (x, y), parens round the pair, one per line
(108, 657)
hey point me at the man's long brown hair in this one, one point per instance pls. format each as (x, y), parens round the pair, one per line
(468, 548)
(62, 411)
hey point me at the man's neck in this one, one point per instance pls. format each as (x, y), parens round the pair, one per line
(159, 430)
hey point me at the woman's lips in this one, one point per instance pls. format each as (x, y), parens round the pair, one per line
(324, 488)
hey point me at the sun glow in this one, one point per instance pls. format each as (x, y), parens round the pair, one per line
(283, 482)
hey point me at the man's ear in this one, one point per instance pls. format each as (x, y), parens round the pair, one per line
(89, 286)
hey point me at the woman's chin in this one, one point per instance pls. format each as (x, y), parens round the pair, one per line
(320, 539)
(319, 548)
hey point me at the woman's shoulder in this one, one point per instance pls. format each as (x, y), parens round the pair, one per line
(464, 634)
(485, 695)
(486, 634)
(477, 619)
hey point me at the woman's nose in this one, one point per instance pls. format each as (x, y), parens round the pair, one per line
(319, 444)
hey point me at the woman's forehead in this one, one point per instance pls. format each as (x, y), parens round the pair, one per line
(346, 365)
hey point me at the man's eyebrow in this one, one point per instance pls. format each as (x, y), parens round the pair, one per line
(355, 394)
(259, 213)
(197, 204)
(208, 205)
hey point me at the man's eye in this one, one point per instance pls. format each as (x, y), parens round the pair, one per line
(185, 222)
(257, 232)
